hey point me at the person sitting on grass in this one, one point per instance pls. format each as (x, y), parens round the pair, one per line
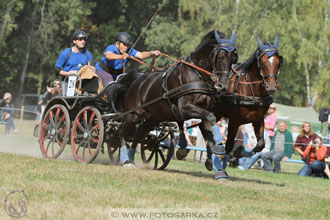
(306, 135)
(7, 113)
(314, 155)
(280, 149)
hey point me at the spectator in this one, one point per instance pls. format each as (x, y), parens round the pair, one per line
(50, 93)
(280, 149)
(116, 56)
(222, 130)
(306, 135)
(270, 121)
(7, 113)
(314, 155)
(246, 163)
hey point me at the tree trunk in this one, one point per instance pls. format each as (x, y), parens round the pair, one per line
(5, 22)
(308, 89)
(27, 51)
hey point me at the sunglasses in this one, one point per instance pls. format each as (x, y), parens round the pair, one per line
(81, 39)
(56, 84)
(272, 108)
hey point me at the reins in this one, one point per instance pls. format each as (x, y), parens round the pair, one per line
(176, 61)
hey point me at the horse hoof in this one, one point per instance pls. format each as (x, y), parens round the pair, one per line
(208, 164)
(221, 174)
(181, 154)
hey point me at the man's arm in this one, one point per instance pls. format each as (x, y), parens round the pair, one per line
(113, 56)
(147, 54)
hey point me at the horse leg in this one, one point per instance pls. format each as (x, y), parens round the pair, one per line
(211, 131)
(128, 128)
(181, 152)
(143, 129)
(259, 131)
(238, 151)
(208, 162)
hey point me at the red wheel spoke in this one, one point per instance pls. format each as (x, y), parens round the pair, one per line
(85, 119)
(80, 127)
(53, 143)
(95, 140)
(62, 130)
(77, 149)
(83, 155)
(48, 147)
(58, 112)
(91, 119)
(90, 150)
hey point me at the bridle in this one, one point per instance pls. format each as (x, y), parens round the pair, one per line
(215, 53)
(272, 75)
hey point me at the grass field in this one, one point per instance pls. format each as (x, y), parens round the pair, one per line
(64, 189)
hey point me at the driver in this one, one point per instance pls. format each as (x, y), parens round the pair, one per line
(115, 57)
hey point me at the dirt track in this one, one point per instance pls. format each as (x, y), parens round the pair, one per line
(24, 143)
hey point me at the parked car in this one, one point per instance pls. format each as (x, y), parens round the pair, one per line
(30, 103)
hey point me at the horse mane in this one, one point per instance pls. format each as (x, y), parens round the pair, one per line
(209, 37)
(248, 64)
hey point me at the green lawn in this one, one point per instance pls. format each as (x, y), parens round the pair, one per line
(64, 189)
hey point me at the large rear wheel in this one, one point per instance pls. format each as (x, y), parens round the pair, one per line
(54, 131)
(87, 135)
(157, 149)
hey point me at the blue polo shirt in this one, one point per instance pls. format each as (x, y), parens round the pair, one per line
(114, 64)
(75, 61)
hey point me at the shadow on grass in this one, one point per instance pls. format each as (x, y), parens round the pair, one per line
(231, 178)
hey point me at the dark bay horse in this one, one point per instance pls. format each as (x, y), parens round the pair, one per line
(248, 96)
(250, 92)
(182, 93)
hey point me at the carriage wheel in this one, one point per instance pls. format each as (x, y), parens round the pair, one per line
(87, 135)
(156, 152)
(54, 131)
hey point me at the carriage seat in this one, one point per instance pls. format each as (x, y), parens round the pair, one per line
(86, 83)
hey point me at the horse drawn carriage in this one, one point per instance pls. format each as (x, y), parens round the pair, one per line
(89, 124)
(144, 112)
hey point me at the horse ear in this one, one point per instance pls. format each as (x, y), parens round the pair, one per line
(233, 38)
(276, 42)
(260, 45)
(217, 37)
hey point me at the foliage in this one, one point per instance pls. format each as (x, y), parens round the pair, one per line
(301, 25)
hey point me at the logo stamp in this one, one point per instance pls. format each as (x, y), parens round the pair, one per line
(16, 204)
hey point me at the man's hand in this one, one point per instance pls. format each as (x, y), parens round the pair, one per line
(49, 89)
(73, 72)
(284, 158)
(155, 53)
(124, 56)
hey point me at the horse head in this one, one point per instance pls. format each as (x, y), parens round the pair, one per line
(269, 62)
(224, 56)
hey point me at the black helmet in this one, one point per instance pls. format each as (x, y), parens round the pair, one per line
(124, 37)
(79, 34)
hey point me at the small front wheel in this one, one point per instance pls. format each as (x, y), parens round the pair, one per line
(87, 135)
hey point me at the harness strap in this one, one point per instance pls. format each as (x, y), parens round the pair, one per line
(194, 87)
